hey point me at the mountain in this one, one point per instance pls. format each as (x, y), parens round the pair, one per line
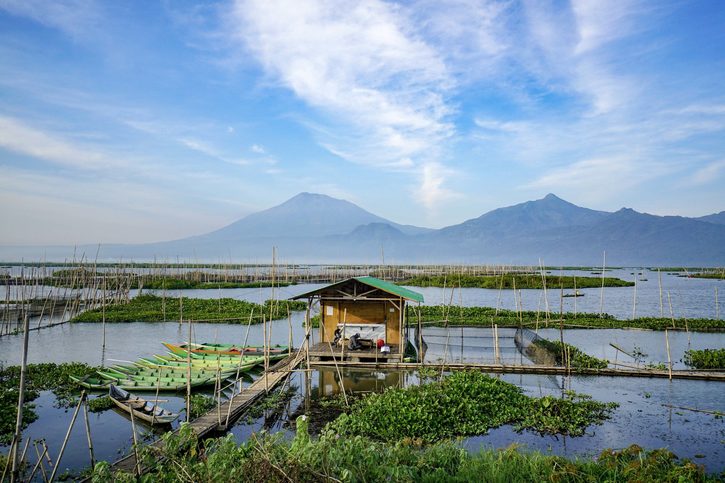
(313, 228)
(717, 218)
(304, 215)
(531, 216)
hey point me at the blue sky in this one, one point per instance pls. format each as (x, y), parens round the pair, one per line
(146, 121)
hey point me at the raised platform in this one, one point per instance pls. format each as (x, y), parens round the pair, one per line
(322, 352)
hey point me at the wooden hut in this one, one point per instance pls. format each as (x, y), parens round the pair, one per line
(372, 308)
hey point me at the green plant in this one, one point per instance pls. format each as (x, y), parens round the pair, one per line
(705, 358)
(464, 403)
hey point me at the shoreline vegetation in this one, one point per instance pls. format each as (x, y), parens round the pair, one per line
(511, 281)
(441, 316)
(155, 308)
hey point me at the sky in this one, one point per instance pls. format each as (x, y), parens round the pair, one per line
(143, 121)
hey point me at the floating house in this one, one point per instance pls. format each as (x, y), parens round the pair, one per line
(370, 311)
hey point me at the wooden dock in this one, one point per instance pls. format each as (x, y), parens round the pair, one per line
(531, 369)
(214, 421)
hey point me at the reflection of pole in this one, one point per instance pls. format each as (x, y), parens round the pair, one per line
(669, 359)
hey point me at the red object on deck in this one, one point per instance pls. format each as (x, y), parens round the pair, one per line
(380, 343)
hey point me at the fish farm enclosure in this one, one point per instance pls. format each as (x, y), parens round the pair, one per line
(177, 370)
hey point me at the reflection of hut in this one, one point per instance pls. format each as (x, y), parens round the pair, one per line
(369, 307)
(356, 380)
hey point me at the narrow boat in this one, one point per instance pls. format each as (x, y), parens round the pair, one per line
(97, 383)
(227, 349)
(575, 294)
(153, 382)
(141, 408)
(211, 364)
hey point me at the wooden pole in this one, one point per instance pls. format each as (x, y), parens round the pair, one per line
(38, 464)
(67, 436)
(21, 400)
(717, 306)
(88, 434)
(137, 466)
(659, 278)
(601, 297)
(634, 300)
(188, 376)
(266, 355)
(669, 359)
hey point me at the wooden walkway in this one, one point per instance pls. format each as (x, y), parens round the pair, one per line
(214, 420)
(532, 369)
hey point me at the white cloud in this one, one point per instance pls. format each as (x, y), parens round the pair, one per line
(708, 173)
(256, 148)
(17, 136)
(361, 64)
(76, 18)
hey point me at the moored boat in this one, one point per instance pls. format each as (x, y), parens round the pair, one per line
(227, 349)
(141, 408)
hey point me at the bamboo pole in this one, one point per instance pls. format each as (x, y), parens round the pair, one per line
(659, 279)
(669, 358)
(21, 400)
(67, 435)
(38, 464)
(137, 466)
(634, 300)
(88, 433)
(188, 375)
(601, 297)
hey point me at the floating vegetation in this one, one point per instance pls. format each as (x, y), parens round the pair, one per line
(39, 377)
(271, 403)
(465, 404)
(509, 281)
(576, 358)
(705, 358)
(486, 316)
(719, 275)
(268, 458)
(201, 404)
(153, 308)
(100, 404)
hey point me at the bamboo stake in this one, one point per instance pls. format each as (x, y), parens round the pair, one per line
(266, 355)
(38, 463)
(344, 332)
(137, 466)
(67, 435)
(659, 279)
(88, 434)
(601, 297)
(634, 300)
(669, 359)
(717, 306)
(21, 400)
(188, 377)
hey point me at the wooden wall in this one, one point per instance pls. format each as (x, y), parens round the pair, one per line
(360, 312)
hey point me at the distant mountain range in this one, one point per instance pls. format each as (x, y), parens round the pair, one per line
(312, 228)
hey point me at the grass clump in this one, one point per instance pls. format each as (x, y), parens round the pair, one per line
(39, 377)
(508, 281)
(577, 358)
(332, 458)
(100, 404)
(465, 404)
(201, 404)
(152, 308)
(705, 358)
(485, 316)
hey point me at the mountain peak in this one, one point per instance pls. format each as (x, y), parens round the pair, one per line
(551, 197)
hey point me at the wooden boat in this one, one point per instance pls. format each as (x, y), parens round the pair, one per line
(575, 294)
(169, 371)
(97, 383)
(152, 382)
(227, 349)
(141, 408)
(208, 364)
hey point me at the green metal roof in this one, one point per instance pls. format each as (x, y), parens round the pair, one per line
(388, 287)
(391, 288)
